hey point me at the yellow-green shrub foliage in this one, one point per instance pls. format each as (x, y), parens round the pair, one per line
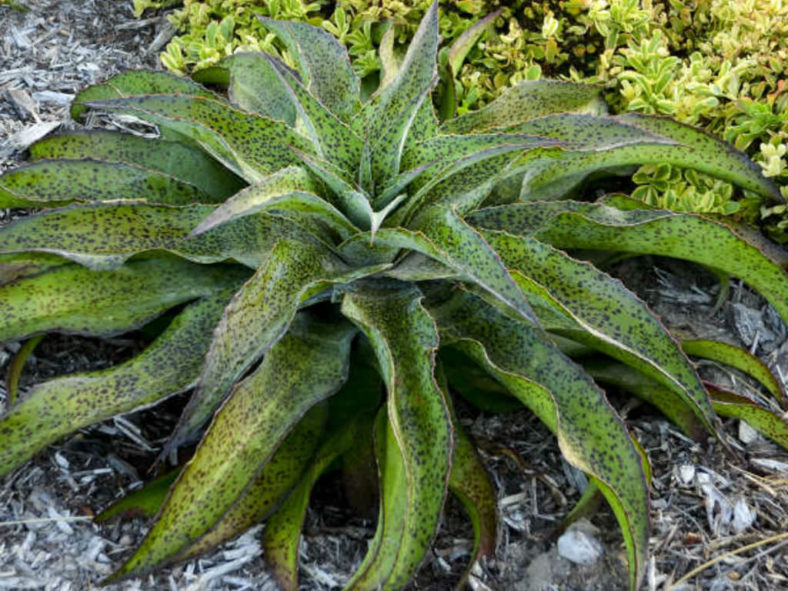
(718, 64)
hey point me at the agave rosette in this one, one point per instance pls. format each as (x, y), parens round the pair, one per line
(330, 263)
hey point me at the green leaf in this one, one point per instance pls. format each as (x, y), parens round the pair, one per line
(272, 486)
(50, 183)
(590, 433)
(764, 420)
(249, 145)
(302, 369)
(529, 100)
(258, 316)
(323, 63)
(390, 114)
(283, 529)
(143, 502)
(567, 224)
(25, 264)
(702, 151)
(416, 467)
(740, 359)
(136, 82)
(16, 366)
(609, 316)
(76, 300)
(179, 161)
(53, 409)
(252, 85)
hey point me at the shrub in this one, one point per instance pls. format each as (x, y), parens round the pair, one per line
(333, 268)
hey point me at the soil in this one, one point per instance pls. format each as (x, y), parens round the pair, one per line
(703, 500)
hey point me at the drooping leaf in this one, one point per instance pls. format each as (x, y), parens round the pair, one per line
(302, 369)
(16, 366)
(568, 224)
(55, 408)
(405, 340)
(76, 300)
(249, 145)
(323, 63)
(134, 83)
(529, 100)
(766, 421)
(738, 358)
(48, 183)
(590, 433)
(177, 160)
(252, 85)
(258, 316)
(273, 485)
(610, 316)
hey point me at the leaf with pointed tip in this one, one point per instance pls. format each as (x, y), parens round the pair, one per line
(76, 300)
(762, 419)
(249, 145)
(143, 502)
(702, 151)
(390, 114)
(55, 408)
(283, 528)
(323, 63)
(252, 85)
(590, 433)
(332, 139)
(258, 316)
(48, 183)
(630, 379)
(609, 316)
(16, 367)
(529, 100)
(738, 358)
(405, 340)
(567, 224)
(272, 486)
(305, 367)
(133, 83)
(179, 161)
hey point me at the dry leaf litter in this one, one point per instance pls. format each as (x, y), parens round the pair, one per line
(705, 505)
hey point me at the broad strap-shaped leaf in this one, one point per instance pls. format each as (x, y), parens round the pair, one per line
(143, 502)
(630, 379)
(705, 152)
(283, 528)
(48, 183)
(76, 300)
(590, 433)
(258, 316)
(740, 359)
(302, 369)
(135, 83)
(530, 100)
(272, 486)
(55, 408)
(390, 114)
(405, 340)
(568, 224)
(332, 139)
(610, 317)
(291, 189)
(764, 420)
(323, 63)
(179, 161)
(251, 85)
(249, 145)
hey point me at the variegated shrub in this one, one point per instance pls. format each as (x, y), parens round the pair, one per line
(331, 268)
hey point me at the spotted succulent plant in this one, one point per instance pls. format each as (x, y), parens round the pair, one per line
(331, 271)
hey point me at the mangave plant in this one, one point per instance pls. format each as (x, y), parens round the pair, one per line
(331, 271)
